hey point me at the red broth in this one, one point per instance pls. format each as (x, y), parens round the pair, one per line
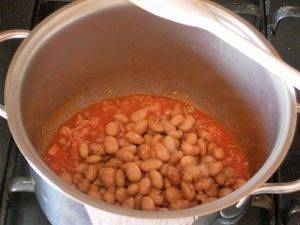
(88, 125)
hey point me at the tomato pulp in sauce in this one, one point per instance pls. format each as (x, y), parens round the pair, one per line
(88, 125)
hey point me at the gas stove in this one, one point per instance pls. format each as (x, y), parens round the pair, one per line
(278, 20)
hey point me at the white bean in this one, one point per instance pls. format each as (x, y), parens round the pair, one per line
(191, 138)
(92, 159)
(187, 123)
(91, 173)
(187, 149)
(168, 126)
(161, 152)
(120, 178)
(144, 186)
(156, 179)
(133, 172)
(121, 195)
(143, 151)
(138, 115)
(155, 126)
(83, 150)
(125, 156)
(170, 143)
(121, 118)
(147, 204)
(112, 129)
(151, 164)
(176, 134)
(135, 138)
(140, 126)
(111, 145)
(177, 120)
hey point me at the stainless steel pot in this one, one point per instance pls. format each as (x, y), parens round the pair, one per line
(94, 49)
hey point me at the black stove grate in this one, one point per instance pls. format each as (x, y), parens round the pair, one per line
(278, 20)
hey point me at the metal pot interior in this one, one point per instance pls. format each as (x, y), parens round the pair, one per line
(123, 50)
(120, 49)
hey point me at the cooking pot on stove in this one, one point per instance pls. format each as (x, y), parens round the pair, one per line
(94, 49)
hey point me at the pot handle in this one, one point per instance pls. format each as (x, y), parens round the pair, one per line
(275, 188)
(278, 188)
(7, 35)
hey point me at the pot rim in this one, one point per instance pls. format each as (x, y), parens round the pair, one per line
(82, 8)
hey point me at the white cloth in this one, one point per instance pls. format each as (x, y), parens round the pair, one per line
(99, 217)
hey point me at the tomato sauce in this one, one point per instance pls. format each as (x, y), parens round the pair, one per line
(89, 123)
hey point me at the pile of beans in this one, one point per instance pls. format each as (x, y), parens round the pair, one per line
(149, 163)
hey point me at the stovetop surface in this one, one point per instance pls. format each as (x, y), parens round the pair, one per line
(278, 20)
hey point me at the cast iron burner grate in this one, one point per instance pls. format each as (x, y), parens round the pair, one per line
(278, 20)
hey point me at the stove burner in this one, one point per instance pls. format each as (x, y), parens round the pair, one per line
(282, 13)
(291, 213)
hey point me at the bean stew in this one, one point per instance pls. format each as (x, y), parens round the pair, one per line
(147, 152)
